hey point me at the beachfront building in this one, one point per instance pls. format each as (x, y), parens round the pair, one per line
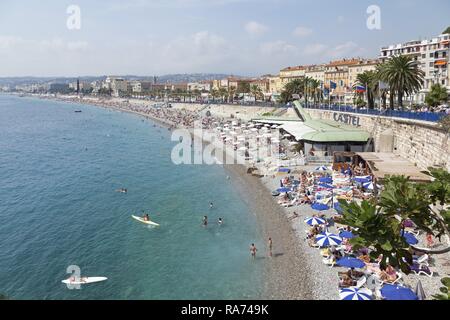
(141, 86)
(291, 73)
(202, 86)
(117, 85)
(364, 65)
(338, 82)
(316, 72)
(432, 56)
(320, 138)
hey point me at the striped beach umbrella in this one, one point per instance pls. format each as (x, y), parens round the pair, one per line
(328, 239)
(322, 168)
(314, 221)
(354, 293)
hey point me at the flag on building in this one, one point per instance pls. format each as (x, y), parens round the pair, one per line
(360, 89)
(333, 85)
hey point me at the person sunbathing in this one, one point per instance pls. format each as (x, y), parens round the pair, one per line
(388, 275)
(345, 281)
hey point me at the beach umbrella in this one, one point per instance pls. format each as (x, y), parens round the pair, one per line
(347, 235)
(420, 293)
(322, 168)
(320, 207)
(350, 263)
(254, 130)
(410, 238)
(328, 239)
(284, 190)
(292, 143)
(354, 293)
(326, 180)
(395, 292)
(363, 179)
(274, 127)
(326, 186)
(314, 221)
(242, 149)
(370, 185)
(233, 133)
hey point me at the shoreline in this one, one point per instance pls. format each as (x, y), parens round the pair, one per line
(287, 276)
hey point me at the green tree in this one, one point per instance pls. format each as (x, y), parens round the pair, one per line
(294, 87)
(368, 80)
(380, 223)
(256, 92)
(223, 93)
(446, 31)
(243, 87)
(445, 290)
(403, 76)
(231, 93)
(315, 90)
(437, 95)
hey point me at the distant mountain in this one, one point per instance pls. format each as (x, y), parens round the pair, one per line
(169, 78)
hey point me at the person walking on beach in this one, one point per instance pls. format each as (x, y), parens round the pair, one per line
(253, 250)
(270, 243)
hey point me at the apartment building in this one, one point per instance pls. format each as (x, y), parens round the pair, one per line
(291, 73)
(432, 56)
(337, 72)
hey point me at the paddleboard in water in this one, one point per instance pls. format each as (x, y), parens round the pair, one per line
(84, 280)
(151, 223)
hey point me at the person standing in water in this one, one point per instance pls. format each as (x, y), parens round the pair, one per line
(253, 250)
(269, 244)
(205, 221)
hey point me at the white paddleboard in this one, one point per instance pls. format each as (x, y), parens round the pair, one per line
(84, 280)
(151, 223)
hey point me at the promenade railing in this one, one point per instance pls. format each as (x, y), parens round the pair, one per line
(422, 116)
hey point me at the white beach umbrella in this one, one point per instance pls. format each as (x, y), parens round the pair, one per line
(354, 293)
(287, 135)
(242, 149)
(233, 133)
(328, 239)
(254, 130)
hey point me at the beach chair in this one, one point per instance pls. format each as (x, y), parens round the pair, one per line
(422, 270)
(422, 260)
(329, 262)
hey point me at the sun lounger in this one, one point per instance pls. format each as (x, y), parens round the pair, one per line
(422, 260)
(422, 270)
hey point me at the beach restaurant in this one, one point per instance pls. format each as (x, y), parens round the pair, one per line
(321, 137)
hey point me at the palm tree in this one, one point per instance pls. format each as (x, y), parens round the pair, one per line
(437, 95)
(294, 87)
(214, 94)
(367, 79)
(403, 76)
(223, 93)
(256, 91)
(232, 93)
(315, 90)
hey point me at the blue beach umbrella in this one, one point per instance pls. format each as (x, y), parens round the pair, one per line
(395, 292)
(320, 207)
(314, 221)
(350, 262)
(363, 180)
(284, 190)
(410, 238)
(326, 186)
(328, 239)
(326, 180)
(347, 235)
(354, 293)
(322, 168)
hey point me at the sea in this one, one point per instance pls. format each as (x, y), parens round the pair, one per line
(60, 210)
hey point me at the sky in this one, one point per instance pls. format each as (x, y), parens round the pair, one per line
(242, 37)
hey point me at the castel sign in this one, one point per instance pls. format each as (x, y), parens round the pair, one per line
(347, 119)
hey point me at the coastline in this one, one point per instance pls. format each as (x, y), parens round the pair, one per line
(290, 274)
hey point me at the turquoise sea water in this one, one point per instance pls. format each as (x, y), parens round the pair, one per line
(58, 207)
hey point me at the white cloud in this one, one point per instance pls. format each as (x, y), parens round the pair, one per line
(302, 32)
(77, 45)
(278, 48)
(172, 4)
(8, 42)
(254, 28)
(347, 49)
(315, 49)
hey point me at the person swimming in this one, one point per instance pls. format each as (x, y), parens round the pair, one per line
(211, 205)
(205, 221)
(220, 221)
